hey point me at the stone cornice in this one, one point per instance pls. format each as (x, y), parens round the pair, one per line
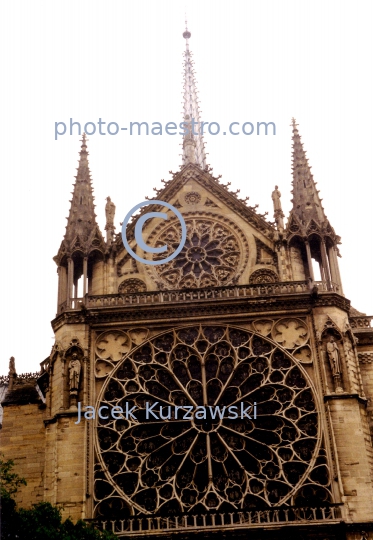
(360, 399)
(62, 414)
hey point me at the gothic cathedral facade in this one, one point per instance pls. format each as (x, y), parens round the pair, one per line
(237, 319)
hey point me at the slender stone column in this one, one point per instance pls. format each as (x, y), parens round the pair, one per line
(309, 260)
(70, 280)
(325, 264)
(322, 273)
(61, 297)
(334, 267)
(85, 272)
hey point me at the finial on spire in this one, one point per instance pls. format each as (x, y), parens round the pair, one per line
(193, 144)
(84, 140)
(186, 34)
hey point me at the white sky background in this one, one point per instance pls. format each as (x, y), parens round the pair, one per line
(122, 61)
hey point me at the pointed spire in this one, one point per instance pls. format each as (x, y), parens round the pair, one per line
(306, 201)
(193, 145)
(82, 217)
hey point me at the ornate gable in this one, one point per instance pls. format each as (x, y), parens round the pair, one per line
(226, 239)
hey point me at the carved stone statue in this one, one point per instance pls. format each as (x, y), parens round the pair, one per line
(333, 354)
(74, 372)
(276, 195)
(12, 366)
(110, 214)
(12, 372)
(278, 215)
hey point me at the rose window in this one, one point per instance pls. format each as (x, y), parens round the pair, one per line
(213, 254)
(166, 464)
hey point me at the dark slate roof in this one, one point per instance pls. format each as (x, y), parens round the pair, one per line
(22, 395)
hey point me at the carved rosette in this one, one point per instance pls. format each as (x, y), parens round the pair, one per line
(173, 465)
(215, 253)
(132, 286)
(263, 275)
(193, 197)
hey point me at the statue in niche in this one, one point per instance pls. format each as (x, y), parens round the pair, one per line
(74, 372)
(333, 354)
(335, 363)
(110, 214)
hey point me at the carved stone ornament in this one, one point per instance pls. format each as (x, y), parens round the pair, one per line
(263, 275)
(113, 345)
(168, 465)
(131, 286)
(215, 253)
(290, 333)
(192, 197)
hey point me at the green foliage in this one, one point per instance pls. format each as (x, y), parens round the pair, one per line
(9, 481)
(43, 521)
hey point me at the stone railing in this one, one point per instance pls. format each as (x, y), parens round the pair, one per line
(148, 526)
(213, 293)
(363, 321)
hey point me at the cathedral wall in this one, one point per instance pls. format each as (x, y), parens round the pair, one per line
(366, 369)
(68, 440)
(23, 440)
(354, 455)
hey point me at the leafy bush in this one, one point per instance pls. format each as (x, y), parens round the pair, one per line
(43, 521)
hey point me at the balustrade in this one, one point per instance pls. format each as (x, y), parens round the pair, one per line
(241, 519)
(189, 295)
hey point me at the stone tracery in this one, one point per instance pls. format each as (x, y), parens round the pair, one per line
(169, 466)
(214, 253)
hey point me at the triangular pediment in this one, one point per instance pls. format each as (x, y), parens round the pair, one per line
(313, 227)
(222, 235)
(294, 225)
(95, 240)
(210, 192)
